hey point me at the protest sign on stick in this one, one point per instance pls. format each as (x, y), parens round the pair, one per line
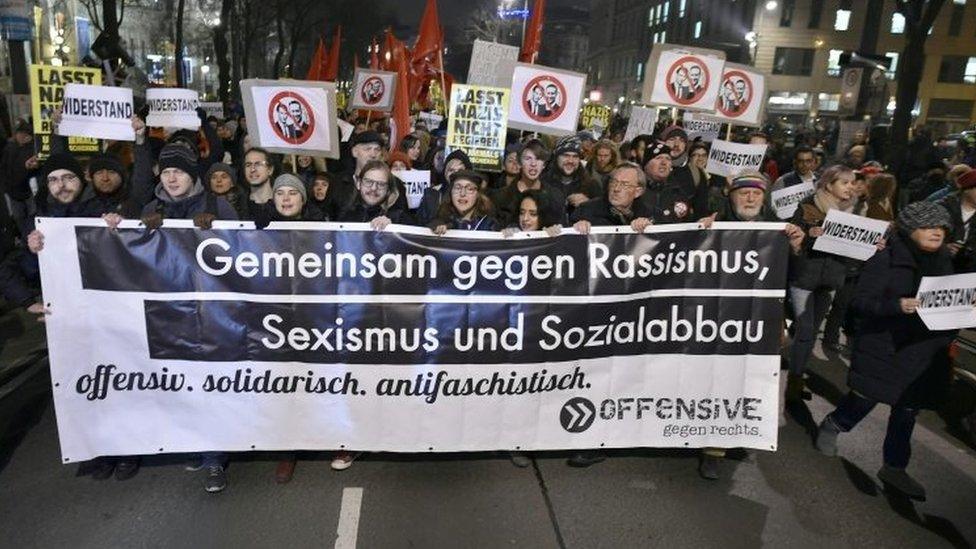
(642, 121)
(742, 96)
(683, 77)
(102, 112)
(213, 108)
(477, 124)
(729, 159)
(850, 235)
(292, 116)
(416, 181)
(697, 125)
(173, 107)
(492, 64)
(47, 91)
(373, 90)
(545, 100)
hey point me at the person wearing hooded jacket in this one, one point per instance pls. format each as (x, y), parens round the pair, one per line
(289, 202)
(467, 207)
(896, 359)
(221, 180)
(568, 174)
(430, 202)
(377, 199)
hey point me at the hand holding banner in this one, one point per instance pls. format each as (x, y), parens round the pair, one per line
(173, 107)
(103, 112)
(850, 235)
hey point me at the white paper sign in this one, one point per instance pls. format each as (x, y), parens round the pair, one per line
(373, 90)
(786, 200)
(850, 235)
(492, 64)
(687, 78)
(415, 181)
(101, 112)
(948, 302)
(432, 119)
(173, 107)
(292, 116)
(545, 100)
(741, 97)
(642, 121)
(697, 126)
(213, 108)
(729, 159)
(345, 129)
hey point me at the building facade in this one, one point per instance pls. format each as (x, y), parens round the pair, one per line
(567, 39)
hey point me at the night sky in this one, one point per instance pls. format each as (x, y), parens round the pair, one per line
(452, 11)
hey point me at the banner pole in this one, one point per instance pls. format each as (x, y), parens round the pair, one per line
(368, 114)
(674, 115)
(294, 163)
(440, 56)
(728, 132)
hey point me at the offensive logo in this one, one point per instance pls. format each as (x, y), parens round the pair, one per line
(577, 415)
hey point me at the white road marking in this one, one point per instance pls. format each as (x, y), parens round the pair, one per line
(348, 529)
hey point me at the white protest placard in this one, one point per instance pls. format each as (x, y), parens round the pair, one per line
(742, 96)
(213, 108)
(786, 200)
(850, 90)
(947, 302)
(415, 181)
(683, 77)
(545, 100)
(697, 126)
(101, 112)
(432, 119)
(173, 108)
(373, 90)
(847, 130)
(345, 129)
(850, 235)
(729, 159)
(292, 116)
(492, 64)
(642, 121)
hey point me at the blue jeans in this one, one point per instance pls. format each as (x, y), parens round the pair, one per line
(901, 422)
(214, 458)
(809, 309)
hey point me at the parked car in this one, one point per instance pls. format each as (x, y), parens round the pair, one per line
(960, 411)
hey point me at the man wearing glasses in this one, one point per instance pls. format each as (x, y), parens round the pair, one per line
(620, 206)
(258, 172)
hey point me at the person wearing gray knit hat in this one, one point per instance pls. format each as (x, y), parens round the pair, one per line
(923, 215)
(284, 189)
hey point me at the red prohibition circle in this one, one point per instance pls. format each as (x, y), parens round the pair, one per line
(725, 108)
(543, 107)
(679, 65)
(366, 93)
(280, 113)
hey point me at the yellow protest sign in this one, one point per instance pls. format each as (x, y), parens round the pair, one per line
(47, 90)
(477, 123)
(595, 115)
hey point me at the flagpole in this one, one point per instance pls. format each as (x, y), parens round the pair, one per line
(728, 132)
(440, 56)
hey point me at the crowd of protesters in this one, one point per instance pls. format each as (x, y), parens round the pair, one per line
(575, 183)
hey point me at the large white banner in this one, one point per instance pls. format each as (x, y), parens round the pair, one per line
(331, 336)
(947, 302)
(545, 100)
(850, 235)
(729, 159)
(173, 107)
(373, 90)
(101, 112)
(684, 77)
(292, 116)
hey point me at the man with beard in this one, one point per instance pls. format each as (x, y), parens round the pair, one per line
(532, 160)
(258, 173)
(568, 175)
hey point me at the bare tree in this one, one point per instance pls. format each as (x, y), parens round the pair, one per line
(485, 24)
(919, 17)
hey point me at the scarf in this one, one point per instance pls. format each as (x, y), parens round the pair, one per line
(826, 202)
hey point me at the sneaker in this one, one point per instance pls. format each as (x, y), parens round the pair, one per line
(708, 467)
(827, 437)
(216, 479)
(285, 470)
(194, 464)
(520, 459)
(126, 468)
(343, 460)
(584, 459)
(899, 481)
(102, 468)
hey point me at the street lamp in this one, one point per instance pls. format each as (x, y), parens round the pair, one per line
(771, 5)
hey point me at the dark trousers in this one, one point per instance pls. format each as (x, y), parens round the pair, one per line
(901, 422)
(809, 310)
(840, 316)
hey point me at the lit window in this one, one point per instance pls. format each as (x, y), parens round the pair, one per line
(843, 20)
(833, 62)
(650, 17)
(657, 14)
(970, 76)
(828, 101)
(664, 36)
(681, 7)
(667, 8)
(959, 2)
(640, 71)
(893, 69)
(698, 27)
(897, 23)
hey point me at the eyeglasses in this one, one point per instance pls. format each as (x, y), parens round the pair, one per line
(464, 189)
(623, 185)
(373, 184)
(249, 165)
(66, 178)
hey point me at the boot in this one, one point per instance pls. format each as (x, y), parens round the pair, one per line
(899, 481)
(708, 467)
(827, 437)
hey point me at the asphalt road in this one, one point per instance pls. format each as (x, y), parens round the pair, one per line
(639, 498)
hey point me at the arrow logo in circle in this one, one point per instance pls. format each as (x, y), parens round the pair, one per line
(577, 415)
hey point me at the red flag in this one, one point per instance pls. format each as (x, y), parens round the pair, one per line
(331, 72)
(315, 67)
(533, 33)
(431, 38)
(374, 56)
(400, 62)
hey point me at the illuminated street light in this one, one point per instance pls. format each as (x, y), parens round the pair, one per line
(771, 5)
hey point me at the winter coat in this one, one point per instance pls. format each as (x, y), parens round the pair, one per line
(455, 223)
(814, 269)
(676, 199)
(895, 359)
(507, 199)
(599, 213)
(14, 175)
(965, 260)
(198, 201)
(358, 211)
(579, 182)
